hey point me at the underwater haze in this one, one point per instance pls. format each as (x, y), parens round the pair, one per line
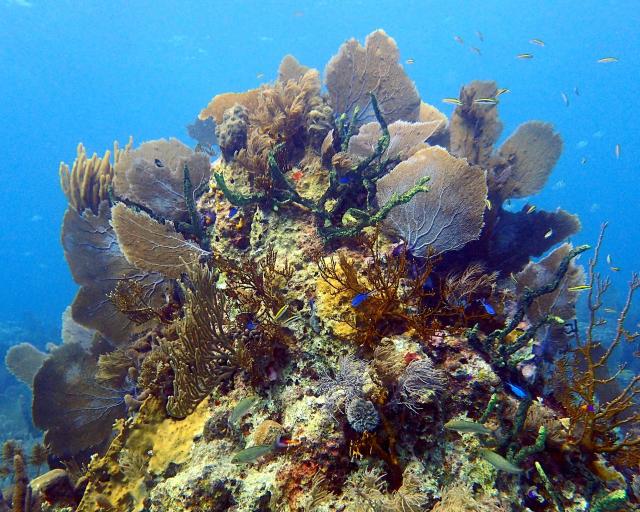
(347, 346)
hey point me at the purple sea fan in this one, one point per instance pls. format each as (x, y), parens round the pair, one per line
(418, 379)
(445, 218)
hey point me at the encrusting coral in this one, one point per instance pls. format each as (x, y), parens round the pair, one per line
(338, 313)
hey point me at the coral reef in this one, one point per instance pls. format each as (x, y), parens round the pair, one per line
(337, 313)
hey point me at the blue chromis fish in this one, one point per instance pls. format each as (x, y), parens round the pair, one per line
(251, 454)
(498, 461)
(232, 211)
(452, 101)
(487, 307)
(242, 408)
(517, 390)
(359, 299)
(468, 427)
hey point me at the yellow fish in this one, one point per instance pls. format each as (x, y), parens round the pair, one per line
(548, 233)
(617, 150)
(488, 204)
(281, 312)
(615, 269)
(524, 56)
(531, 208)
(410, 61)
(486, 101)
(452, 101)
(607, 60)
(579, 288)
(501, 91)
(537, 42)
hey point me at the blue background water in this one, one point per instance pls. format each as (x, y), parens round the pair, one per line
(99, 71)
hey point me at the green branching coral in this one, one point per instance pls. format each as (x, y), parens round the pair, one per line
(332, 207)
(494, 344)
(204, 353)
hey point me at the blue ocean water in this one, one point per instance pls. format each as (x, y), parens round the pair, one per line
(95, 72)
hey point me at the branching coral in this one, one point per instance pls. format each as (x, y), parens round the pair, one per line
(357, 71)
(494, 344)
(448, 216)
(204, 353)
(89, 180)
(594, 418)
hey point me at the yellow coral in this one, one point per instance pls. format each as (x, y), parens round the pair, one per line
(88, 181)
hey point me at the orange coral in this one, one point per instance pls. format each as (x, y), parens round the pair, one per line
(585, 378)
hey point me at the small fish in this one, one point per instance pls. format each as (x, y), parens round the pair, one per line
(410, 61)
(609, 259)
(617, 151)
(598, 135)
(565, 422)
(260, 76)
(359, 299)
(486, 101)
(524, 56)
(579, 288)
(487, 307)
(610, 310)
(512, 276)
(576, 91)
(232, 211)
(452, 101)
(281, 312)
(501, 91)
(537, 42)
(480, 36)
(158, 163)
(531, 209)
(296, 175)
(582, 144)
(583, 160)
(487, 203)
(615, 269)
(600, 322)
(344, 180)
(548, 234)
(565, 98)
(556, 319)
(607, 60)
(498, 461)
(250, 454)
(476, 50)
(458, 39)
(242, 408)
(517, 390)
(468, 427)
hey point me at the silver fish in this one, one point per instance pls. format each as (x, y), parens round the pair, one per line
(499, 462)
